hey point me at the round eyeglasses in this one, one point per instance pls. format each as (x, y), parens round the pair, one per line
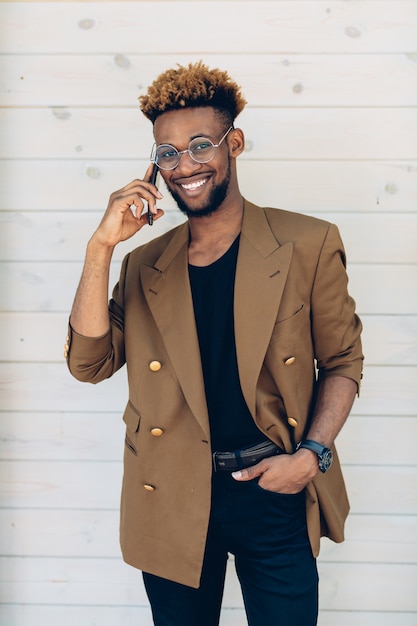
(200, 149)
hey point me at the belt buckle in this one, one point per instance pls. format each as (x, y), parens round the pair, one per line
(216, 462)
(220, 465)
(214, 455)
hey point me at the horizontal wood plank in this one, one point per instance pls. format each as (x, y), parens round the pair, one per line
(363, 440)
(372, 587)
(42, 236)
(390, 339)
(26, 386)
(95, 534)
(266, 79)
(327, 186)
(378, 289)
(368, 587)
(301, 26)
(47, 236)
(61, 436)
(374, 539)
(32, 615)
(86, 485)
(366, 618)
(373, 285)
(42, 286)
(303, 133)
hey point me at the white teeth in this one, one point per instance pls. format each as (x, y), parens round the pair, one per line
(192, 186)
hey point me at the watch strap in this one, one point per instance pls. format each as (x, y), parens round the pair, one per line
(312, 445)
(324, 454)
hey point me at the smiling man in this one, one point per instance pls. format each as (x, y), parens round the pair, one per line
(243, 359)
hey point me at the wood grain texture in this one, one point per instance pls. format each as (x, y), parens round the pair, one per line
(298, 80)
(293, 26)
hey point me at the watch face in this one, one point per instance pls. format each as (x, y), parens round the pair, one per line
(326, 460)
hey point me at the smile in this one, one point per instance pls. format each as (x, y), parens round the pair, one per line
(196, 185)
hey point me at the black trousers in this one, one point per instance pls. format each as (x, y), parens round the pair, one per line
(267, 534)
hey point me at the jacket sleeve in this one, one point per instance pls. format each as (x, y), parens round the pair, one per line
(336, 327)
(93, 359)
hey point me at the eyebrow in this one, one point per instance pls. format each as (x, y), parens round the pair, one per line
(196, 136)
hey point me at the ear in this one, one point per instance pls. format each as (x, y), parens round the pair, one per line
(236, 142)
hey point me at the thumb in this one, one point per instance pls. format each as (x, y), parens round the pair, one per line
(249, 473)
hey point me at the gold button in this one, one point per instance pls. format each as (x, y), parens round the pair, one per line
(149, 487)
(157, 432)
(65, 354)
(290, 360)
(292, 422)
(155, 366)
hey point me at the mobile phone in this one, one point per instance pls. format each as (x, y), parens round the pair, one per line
(153, 181)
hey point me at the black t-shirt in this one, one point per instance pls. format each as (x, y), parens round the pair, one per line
(212, 286)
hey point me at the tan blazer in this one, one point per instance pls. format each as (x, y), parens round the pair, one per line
(291, 300)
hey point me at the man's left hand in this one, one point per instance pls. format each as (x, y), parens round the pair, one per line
(286, 473)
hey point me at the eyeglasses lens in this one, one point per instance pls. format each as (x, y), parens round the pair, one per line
(201, 150)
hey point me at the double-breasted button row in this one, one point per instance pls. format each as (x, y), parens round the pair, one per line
(291, 420)
(156, 431)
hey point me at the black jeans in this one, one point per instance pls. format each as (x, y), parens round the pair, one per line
(267, 534)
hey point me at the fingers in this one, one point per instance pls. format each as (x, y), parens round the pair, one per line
(136, 193)
(250, 472)
(125, 214)
(145, 191)
(135, 196)
(283, 474)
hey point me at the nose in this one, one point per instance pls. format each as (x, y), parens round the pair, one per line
(185, 163)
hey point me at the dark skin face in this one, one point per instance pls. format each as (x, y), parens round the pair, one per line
(199, 189)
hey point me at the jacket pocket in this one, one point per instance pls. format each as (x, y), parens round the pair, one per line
(285, 328)
(131, 418)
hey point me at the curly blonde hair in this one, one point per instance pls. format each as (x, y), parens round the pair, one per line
(192, 86)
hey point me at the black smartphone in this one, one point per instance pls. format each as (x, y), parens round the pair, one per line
(153, 181)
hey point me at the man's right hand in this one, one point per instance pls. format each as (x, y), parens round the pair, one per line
(125, 214)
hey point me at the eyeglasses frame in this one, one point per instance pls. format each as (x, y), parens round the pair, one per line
(181, 152)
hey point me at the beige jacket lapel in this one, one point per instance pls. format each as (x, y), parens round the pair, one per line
(167, 290)
(261, 272)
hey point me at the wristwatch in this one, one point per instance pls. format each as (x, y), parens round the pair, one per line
(325, 455)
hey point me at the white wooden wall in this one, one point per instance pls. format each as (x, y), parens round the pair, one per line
(331, 130)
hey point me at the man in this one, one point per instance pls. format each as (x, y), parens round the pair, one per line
(223, 323)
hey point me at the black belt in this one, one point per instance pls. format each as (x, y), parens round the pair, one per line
(239, 459)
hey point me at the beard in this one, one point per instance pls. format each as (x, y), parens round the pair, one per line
(216, 197)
